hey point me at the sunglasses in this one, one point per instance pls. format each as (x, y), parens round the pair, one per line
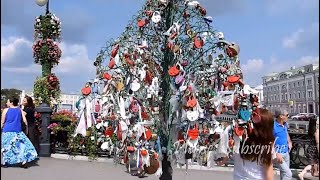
(286, 115)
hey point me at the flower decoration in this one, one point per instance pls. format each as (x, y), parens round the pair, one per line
(46, 51)
(53, 82)
(64, 115)
(55, 128)
(46, 88)
(38, 122)
(47, 26)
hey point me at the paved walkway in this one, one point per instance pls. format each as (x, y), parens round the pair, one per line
(53, 169)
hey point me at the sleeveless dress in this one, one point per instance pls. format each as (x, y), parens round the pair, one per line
(15, 146)
(312, 152)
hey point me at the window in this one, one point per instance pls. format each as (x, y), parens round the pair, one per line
(299, 95)
(304, 94)
(290, 96)
(309, 82)
(289, 85)
(294, 84)
(294, 96)
(286, 97)
(298, 84)
(310, 94)
(283, 87)
(282, 97)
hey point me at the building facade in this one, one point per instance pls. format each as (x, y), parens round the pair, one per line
(260, 96)
(67, 101)
(296, 90)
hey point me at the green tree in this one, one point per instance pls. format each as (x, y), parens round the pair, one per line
(8, 93)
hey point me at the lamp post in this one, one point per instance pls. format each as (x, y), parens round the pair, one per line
(47, 54)
(42, 3)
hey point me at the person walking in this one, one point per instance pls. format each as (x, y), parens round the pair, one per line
(312, 152)
(16, 148)
(29, 109)
(283, 143)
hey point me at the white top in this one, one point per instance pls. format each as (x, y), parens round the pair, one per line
(247, 170)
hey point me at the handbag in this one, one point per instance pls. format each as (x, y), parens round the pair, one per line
(315, 170)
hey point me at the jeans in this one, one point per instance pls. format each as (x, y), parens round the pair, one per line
(285, 171)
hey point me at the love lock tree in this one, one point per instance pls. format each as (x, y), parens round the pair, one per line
(165, 68)
(46, 52)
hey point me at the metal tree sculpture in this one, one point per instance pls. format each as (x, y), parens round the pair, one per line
(46, 52)
(172, 63)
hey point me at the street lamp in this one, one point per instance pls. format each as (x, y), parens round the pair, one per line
(45, 37)
(42, 3)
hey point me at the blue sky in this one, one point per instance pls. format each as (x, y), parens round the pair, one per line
(273, 35)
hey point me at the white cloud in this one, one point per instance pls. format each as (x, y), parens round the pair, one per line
(74, 57)
(252, 65)
(74, 68)
(255, 69)
(308, 60)
(11, 46)
(74, 60)
(31, 69)
(303, 37)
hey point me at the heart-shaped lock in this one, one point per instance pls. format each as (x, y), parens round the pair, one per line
(202, 10)
(180, 78)
(244, 114)
(192, 102)
(149, 13)
(135, 86)
(134, 106)
(174, 70)
(170, 45)
(120, 85)
(198, 42)
(111, 63)
(148, 77)
(176, 49)
(173, 35)
(128, 60)
(238, 130)
(193, 133)
(186, 14)
(142, 22)
(233, 79)
(156, 17)
(192, 115)
(233, 50)
(107, 76)
(86, 90)
(191, 34)
(185, 63)
(114, 51)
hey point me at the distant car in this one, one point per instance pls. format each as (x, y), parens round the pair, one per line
(303, 116)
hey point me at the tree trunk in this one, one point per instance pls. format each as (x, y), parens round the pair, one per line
(166, 168)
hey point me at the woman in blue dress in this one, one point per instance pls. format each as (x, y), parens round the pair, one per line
(16, 148)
